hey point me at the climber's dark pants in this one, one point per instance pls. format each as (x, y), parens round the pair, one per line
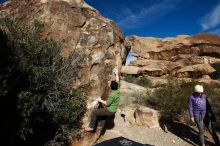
(102, 112)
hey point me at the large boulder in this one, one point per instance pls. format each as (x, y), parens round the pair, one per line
(180, 56)
(79, 29)
(145, 46)
(168, 48)
(132, 93)
(132, 99)
(131, 70)
(203, 69)
(141, 116)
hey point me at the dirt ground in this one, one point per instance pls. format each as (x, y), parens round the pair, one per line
(174, 134)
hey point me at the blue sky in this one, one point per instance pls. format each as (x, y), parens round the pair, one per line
(161, 18)
(1, 1)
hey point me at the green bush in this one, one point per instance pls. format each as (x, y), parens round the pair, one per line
(143, 81)
(195, 75)
(130, 78)
(172, 99)
(43, 81)
(216, 74)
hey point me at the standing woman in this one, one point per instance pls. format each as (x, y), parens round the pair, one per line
(199, 108)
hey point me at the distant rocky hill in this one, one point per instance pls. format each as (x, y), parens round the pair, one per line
(182, 56)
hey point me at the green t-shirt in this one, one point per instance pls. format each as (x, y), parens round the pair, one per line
(113, 100)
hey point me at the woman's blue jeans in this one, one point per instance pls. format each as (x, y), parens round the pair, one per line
(202, 120)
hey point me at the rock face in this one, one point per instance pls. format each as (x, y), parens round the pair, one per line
(131, 106)
(141, 116)
(181, 56)
(131, 93)
(79, 28)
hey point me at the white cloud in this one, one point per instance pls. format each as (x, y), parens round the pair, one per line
(211, 19)
(146, 15)
(216, 31)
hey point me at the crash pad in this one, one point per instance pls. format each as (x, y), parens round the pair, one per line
(120, 141)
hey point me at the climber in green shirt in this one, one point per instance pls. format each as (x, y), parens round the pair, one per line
(111, 105)
(113, 99)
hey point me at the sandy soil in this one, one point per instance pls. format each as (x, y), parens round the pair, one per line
(175, 134)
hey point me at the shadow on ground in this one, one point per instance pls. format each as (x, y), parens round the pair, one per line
(184, 132)
(120, 141)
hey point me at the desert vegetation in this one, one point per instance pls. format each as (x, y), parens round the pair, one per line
(36, 91)
(141, 80)
(171, 100)
(216, 74)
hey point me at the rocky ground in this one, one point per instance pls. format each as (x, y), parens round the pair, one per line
(175, 135)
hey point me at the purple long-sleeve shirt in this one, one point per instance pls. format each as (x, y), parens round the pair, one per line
(197, 105)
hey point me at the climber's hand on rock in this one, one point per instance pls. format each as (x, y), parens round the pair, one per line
(192, 119)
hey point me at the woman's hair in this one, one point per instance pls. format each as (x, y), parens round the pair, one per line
(114, 85)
